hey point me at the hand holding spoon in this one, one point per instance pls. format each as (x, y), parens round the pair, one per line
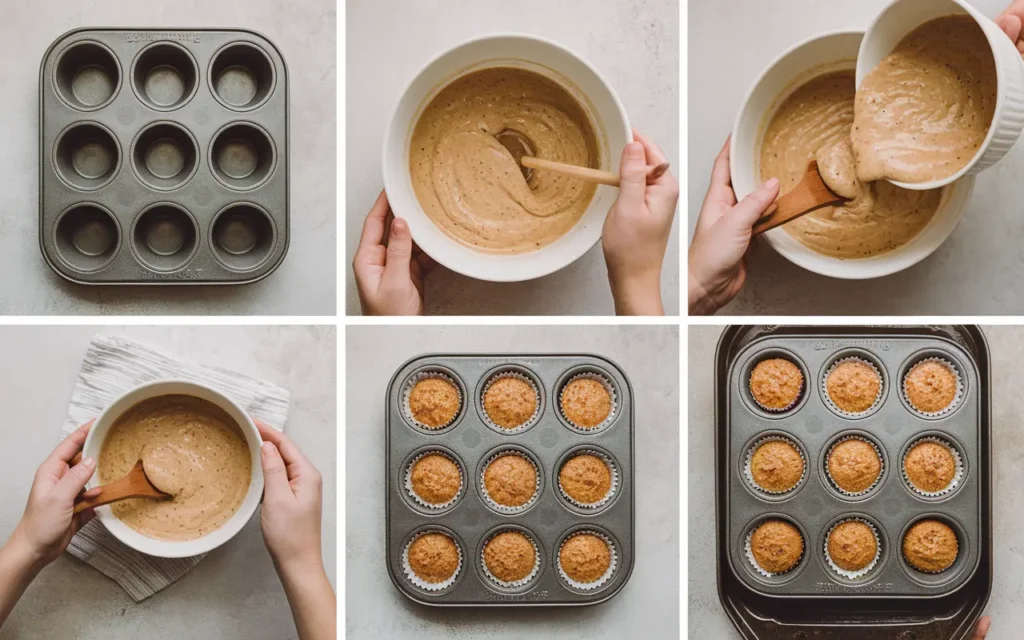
(133, 485)
(810, 195)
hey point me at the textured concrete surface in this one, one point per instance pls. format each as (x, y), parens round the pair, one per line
(304, 284)
(633, 43)
(234, 593)
(707, 619)
(649, 601)
(976, 272)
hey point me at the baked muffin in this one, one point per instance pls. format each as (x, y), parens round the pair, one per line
(853, 386)
(929, 466)
(510, 480)
(852, 545)
(435, 479)
(585, 557)
(930, 386)
(585, 478)
(434, 402)
(776, 466)
(930, 546)
(510, 402)
(510, 556)
(585, 403)
(854, 465)
(776, 384)
(777, 546)
(433, 557)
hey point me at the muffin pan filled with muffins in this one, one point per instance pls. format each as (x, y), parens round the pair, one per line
(510, 479)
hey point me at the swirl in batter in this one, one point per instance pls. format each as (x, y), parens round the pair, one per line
(470, 185)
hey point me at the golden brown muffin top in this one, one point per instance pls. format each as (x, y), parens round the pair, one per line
(852, 545)
(510, 480)
(930, 546)
(777, 546)
(854, 465)
(510, 556)
(585, 557)
(433, 557)
(435, 478)
(585, 478)
(853, 386)
(510, 402)
(930, 386)
(776, 466)
(930, 466)
(776, 383)
(586, 403)
(434, 402)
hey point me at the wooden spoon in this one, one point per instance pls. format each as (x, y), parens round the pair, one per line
(810, 195)
(133, 485)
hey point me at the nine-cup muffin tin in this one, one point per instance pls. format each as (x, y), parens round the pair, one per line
(163, 156)
(472, 442)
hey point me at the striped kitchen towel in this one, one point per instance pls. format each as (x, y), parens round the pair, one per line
(112, 366)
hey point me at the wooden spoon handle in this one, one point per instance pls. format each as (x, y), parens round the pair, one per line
(133, 485)
(588, 174)
(790, 206)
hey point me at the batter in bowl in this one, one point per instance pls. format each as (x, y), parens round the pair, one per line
(191, 449)
(470, 185)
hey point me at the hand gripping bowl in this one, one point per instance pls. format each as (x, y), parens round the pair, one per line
(217, 537)
(539, 56)
(830, 52)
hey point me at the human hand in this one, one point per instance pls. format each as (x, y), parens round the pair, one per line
(982, 629)
(717, 262)
(1011, 21)
(637, 228)
(390, 269)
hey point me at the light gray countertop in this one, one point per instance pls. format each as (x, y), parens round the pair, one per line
(234, 593)
(978, 271)
(648, 602)
(634, 44)
(304, 284)
(707, 619)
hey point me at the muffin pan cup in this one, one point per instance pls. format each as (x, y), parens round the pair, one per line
(549, 520)
(131, 119)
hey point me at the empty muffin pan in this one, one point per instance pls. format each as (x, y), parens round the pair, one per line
(163, 156)
(546, 440)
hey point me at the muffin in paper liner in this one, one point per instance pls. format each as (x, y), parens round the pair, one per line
(421, 583)
(408, 387)
(749, 474)
(515, 584)
(957, 397)
(958, 463)
(831, 403)
(609, 387)
(912, 566)
(612, 468)
(510, 373)
(860, 573)
(748, 550)
(504, 508)
(796, 400)
(881, 469)
(420, 501)
(612, 565)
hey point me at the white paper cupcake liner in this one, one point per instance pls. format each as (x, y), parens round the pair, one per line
(957, 397)
(612, 566)
(748, 550)
(612, 468)
(958, 463)
(515, 584)
(421, 583)
(753, 396)
(407, 389)
(417, 498)
(914, 567)
(749, 474)
(518, 376)
(831, 403)
(881, 468)
(591, 375)
(500, 507)
(860, 573)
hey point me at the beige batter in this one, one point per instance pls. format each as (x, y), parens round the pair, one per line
(815, 123)
(924, 112)
(189, 448)
(472, 187)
